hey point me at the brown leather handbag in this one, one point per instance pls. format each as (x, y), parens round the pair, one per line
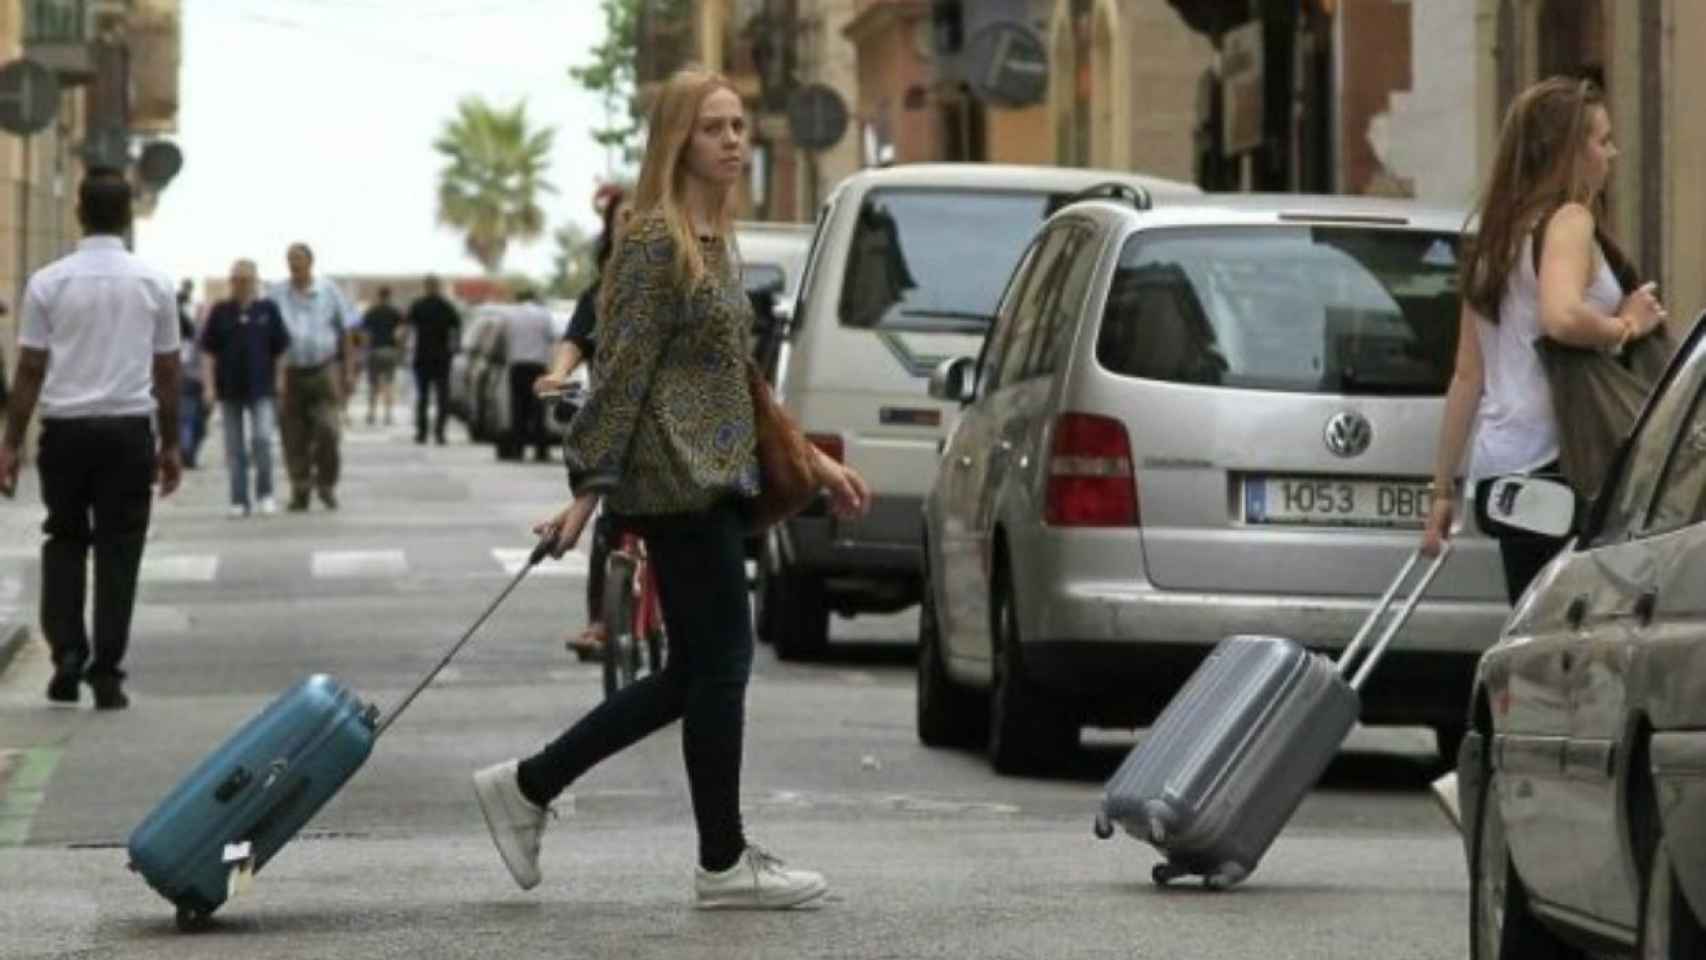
(787, 481)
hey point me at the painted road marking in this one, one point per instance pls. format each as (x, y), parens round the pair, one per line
(572, 564)
(187, 568)
(23, 785)
(336, 564)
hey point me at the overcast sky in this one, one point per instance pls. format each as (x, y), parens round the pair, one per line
(314, 120)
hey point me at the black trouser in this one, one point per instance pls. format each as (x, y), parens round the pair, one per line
(526, 411)
(96, 479)
(701, 577)
(1522, 554)
(435, 379)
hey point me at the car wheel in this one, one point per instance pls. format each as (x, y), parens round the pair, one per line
(1501, 925)
(1027, 733)
(949, 715)
(1448, 740)
(1669, 929)
(792, 615)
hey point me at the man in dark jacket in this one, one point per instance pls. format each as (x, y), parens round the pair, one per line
(243, 350)
(435, 328)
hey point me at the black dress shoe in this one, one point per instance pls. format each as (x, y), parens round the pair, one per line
(329, 498)
(109, 693)
(63, 687)
(298, 503)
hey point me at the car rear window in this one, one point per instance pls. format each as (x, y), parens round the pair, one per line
(1311, 309)
(936, 260)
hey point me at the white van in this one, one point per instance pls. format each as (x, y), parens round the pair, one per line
(905, 268)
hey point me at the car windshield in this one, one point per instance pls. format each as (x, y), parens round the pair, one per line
(935, 259)
(1314, 309)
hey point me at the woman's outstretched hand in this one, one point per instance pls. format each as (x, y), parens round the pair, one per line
(565, 528)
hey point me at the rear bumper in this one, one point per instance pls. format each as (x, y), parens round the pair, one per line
(885, 544)
(1126, 650)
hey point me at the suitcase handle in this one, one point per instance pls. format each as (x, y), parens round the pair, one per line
(1368, 663)
(540, 552)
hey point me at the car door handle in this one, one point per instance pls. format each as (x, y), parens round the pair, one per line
(1577, 612)
(1645, 604)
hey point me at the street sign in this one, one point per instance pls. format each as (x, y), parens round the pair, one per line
(1007, 65)
(1241, 89)
(159, 163)
(29, 97)
(817, 117)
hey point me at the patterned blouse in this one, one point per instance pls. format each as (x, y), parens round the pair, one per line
(669, 427)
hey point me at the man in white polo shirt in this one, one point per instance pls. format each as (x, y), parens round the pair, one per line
(98, 346)
(318, 373)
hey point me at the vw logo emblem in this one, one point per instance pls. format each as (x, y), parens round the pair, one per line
(1348, 434)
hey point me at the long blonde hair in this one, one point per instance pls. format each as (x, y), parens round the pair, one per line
(663, 172)
(1538, 168)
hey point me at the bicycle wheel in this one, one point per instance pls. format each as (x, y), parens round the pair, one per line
(619, 644)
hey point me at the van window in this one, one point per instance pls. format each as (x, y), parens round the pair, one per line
(935, 259)
(1064, 304)
(1343, 310)
(1044, 279)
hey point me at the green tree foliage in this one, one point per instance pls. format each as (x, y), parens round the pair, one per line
(490, 186)
(572, 263)
(613, 73)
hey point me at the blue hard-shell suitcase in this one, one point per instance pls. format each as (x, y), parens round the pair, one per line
(237, 808)
(242, 803)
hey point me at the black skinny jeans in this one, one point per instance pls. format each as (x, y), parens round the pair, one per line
(701, 576)
(96, 479)
(434, 379)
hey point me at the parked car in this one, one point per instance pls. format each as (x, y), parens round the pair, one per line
(1193, 418)
(1583, 777)
(463, 366)
(905, 268)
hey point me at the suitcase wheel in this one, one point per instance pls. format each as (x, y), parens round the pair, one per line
(191, 920)
(1165, 873)
(1103, 828)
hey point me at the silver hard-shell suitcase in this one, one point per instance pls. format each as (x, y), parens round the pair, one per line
(1236, 750)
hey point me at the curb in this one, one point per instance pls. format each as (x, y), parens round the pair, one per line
(13, 637)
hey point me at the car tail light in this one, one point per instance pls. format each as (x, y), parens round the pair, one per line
(1090, 479)
(831, 444)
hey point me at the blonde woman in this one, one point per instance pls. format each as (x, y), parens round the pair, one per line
(1547, 187)
(667, 440)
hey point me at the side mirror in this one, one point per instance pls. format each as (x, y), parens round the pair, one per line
(1533, 505)
(953, 380)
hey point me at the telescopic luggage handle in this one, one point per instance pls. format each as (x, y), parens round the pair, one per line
(1368, 663)
(540, 552)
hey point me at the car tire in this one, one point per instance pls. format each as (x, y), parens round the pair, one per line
(1028, 734)
(792, 616)
(1501, 924)
(949, 715)
(1669, 929)
(1448, 741)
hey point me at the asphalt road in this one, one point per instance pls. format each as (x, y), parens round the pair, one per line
(929, 854)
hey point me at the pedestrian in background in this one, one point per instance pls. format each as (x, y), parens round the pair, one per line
(527, 346)
(318, 375)
(380, 324)
(669, 438)
(580, 344)
(98, 347)
(1547, 187)
(192, 413)
(434, 330)
(243, 351)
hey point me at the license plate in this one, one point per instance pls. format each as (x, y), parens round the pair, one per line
(1314, 501)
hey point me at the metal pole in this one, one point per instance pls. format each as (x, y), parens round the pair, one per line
(23, 225)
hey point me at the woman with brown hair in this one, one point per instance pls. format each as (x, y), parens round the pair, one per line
(1547, 188)
(667, 439)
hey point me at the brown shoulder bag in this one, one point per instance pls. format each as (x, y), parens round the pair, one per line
(786, 480)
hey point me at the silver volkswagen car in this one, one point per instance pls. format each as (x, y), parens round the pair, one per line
(1191, 418)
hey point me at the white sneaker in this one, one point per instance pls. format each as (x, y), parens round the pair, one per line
(515, 823)
(757, 881)
(269, 506)
(237, 511)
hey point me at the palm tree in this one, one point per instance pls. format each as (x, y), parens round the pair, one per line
(490, 188)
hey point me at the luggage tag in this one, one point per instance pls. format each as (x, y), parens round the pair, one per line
(241, 879)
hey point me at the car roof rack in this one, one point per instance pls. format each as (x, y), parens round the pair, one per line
(1134, 196)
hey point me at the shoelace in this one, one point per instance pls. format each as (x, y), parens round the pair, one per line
(762, 858)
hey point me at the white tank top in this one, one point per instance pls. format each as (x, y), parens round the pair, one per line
(1516, 430)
